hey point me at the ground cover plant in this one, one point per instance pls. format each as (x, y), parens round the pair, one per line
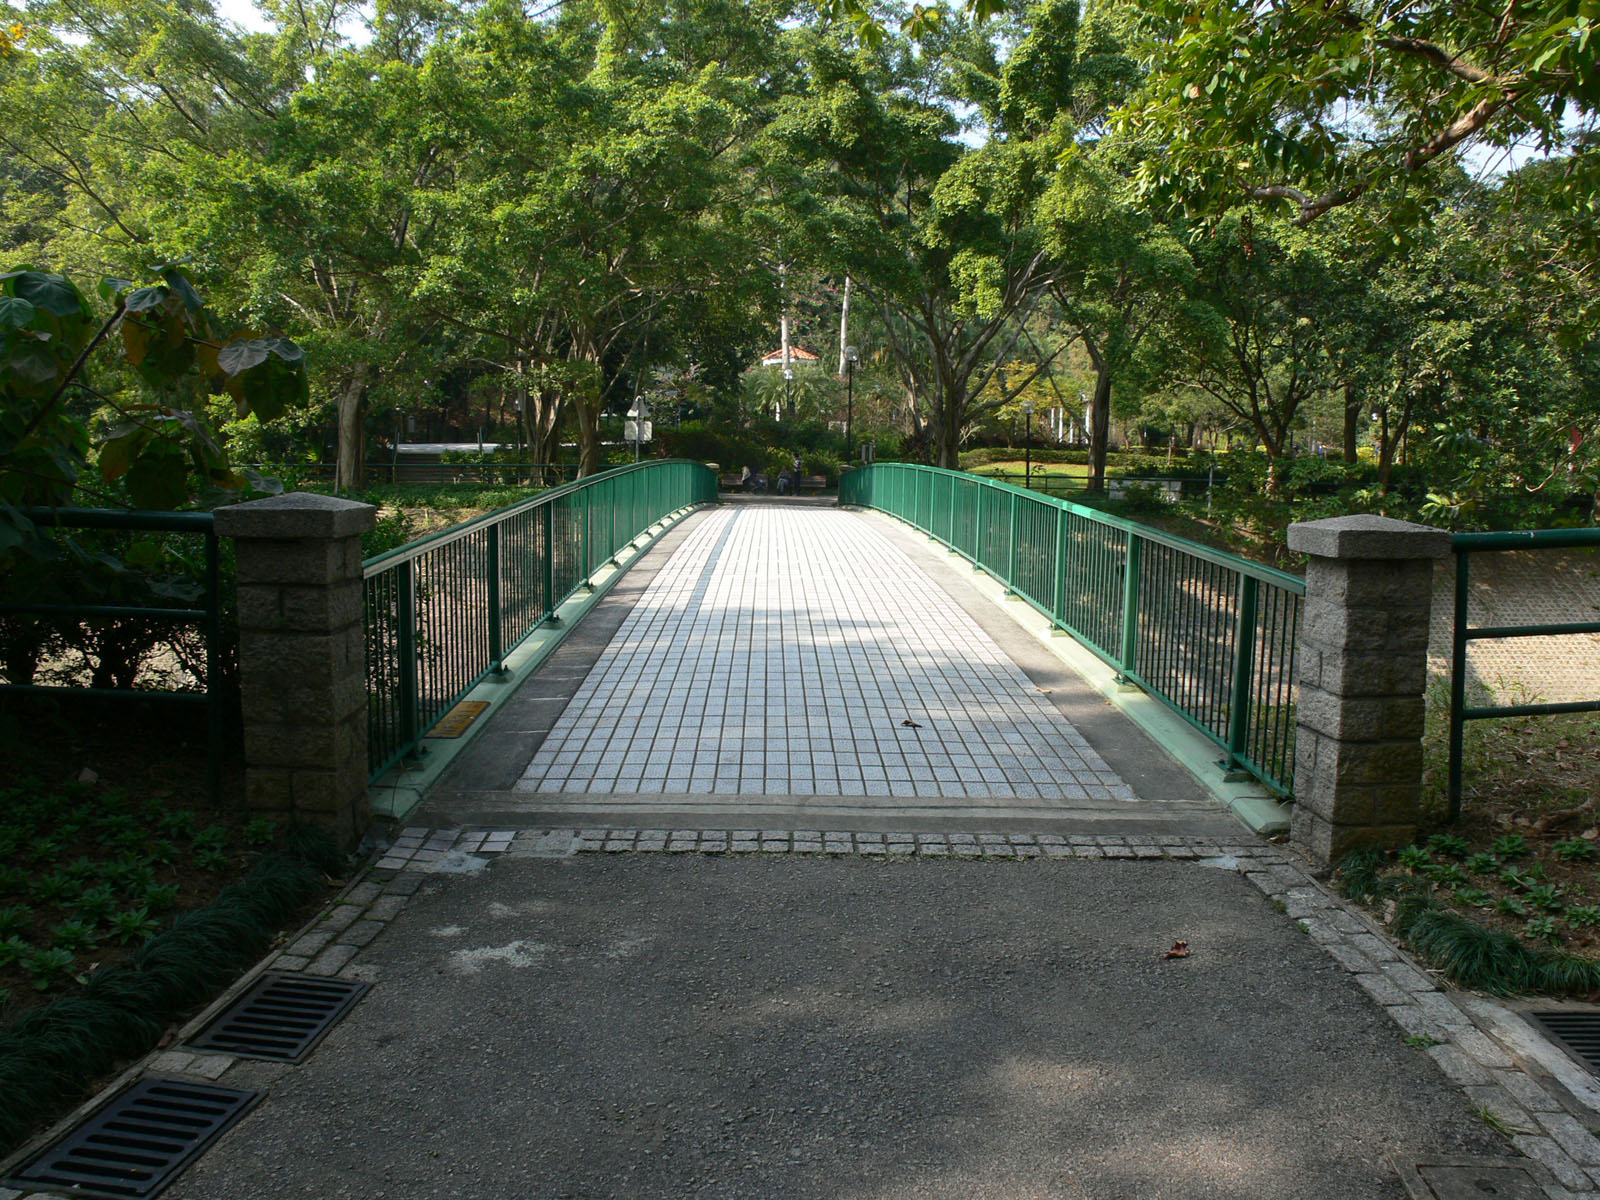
(128, 898)
(90, 873)
(1507, 899)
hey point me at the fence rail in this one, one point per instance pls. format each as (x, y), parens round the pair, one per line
(1209, 634)
(1465, 545)
(206, 618)
(441, 613)
(424, 472)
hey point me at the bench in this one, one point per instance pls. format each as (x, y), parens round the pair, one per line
(813, 483)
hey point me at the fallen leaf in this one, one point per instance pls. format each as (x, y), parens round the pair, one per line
(908, 721)
(1179, 950)
(1046, 691)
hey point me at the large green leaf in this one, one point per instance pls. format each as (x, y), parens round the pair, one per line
(32, 365)
(54, 293)
(178, 281)
(119, 450)
(241, 354)
(145, 298)
(15, 313)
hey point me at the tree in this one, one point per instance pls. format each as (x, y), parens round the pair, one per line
(1121, 275)
(1320, 105)
(940, 239)
(1259, 347)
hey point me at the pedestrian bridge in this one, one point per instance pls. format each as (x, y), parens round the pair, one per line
(788, 664)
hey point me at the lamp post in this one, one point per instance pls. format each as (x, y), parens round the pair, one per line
(788, 401)
(1027, 445)
(851, 357)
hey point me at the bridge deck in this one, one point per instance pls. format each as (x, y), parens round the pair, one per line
(800, 666)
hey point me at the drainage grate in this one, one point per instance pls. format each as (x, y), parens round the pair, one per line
(140, 1141)
(281, 1017)
(1576, 1032)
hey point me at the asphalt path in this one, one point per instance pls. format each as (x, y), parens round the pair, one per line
(654, 1025)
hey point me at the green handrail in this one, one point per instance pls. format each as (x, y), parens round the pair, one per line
(1465, 545)
(443, 612)
(1209, 634)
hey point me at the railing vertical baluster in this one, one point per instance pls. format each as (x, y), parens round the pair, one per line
(1244, 646)
(409, 684)
(548, 512)
(1127, 663)
(1058, 607)
(496, 636)
(1458, 681)
(1011, 545)
(213, 683)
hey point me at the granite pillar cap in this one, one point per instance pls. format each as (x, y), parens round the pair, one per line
(296, 516)
(1367, 536)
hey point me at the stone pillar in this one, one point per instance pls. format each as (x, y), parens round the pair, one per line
(1363, 667)
(302, 658)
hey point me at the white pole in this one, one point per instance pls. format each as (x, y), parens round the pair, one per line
(844, 325)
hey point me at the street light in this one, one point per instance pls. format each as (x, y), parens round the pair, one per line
(851, 357)
(788, 401)
(1027, 445)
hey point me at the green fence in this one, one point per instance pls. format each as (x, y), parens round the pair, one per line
(443, 612)
(130, 611)
(1465, 546)
(1209, 634)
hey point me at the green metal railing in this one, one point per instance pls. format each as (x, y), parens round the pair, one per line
(1209, 634)
(1465, 546)
(207, 618)
(443, 612)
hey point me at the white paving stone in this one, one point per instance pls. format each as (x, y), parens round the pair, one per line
(782, 651)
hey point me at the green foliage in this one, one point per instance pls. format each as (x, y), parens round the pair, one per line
(73, 936)
(133, 925)
(1544, 929)
(1445, 874)
(1546, 896)
(1511, 846)
(44, 967)
(1584, 916)
(1414, 857)
(14, 919)
(174, 347)
(1450, 844)
(1574, 850)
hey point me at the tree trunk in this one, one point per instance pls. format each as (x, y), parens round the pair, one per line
(352, 451)
(588, 436)
(1352, 422)
(1099, 426)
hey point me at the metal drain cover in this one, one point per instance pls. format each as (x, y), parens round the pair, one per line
(281, 1017)
(1475, 1178)
(140, 1141)
(1575, 1031)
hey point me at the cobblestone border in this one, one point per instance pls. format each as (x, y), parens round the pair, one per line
(1539, 1124)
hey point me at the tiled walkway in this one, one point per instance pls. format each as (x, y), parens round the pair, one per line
(793, 651)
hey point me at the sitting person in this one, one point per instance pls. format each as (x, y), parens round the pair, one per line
(785, 482)
(746, 483)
